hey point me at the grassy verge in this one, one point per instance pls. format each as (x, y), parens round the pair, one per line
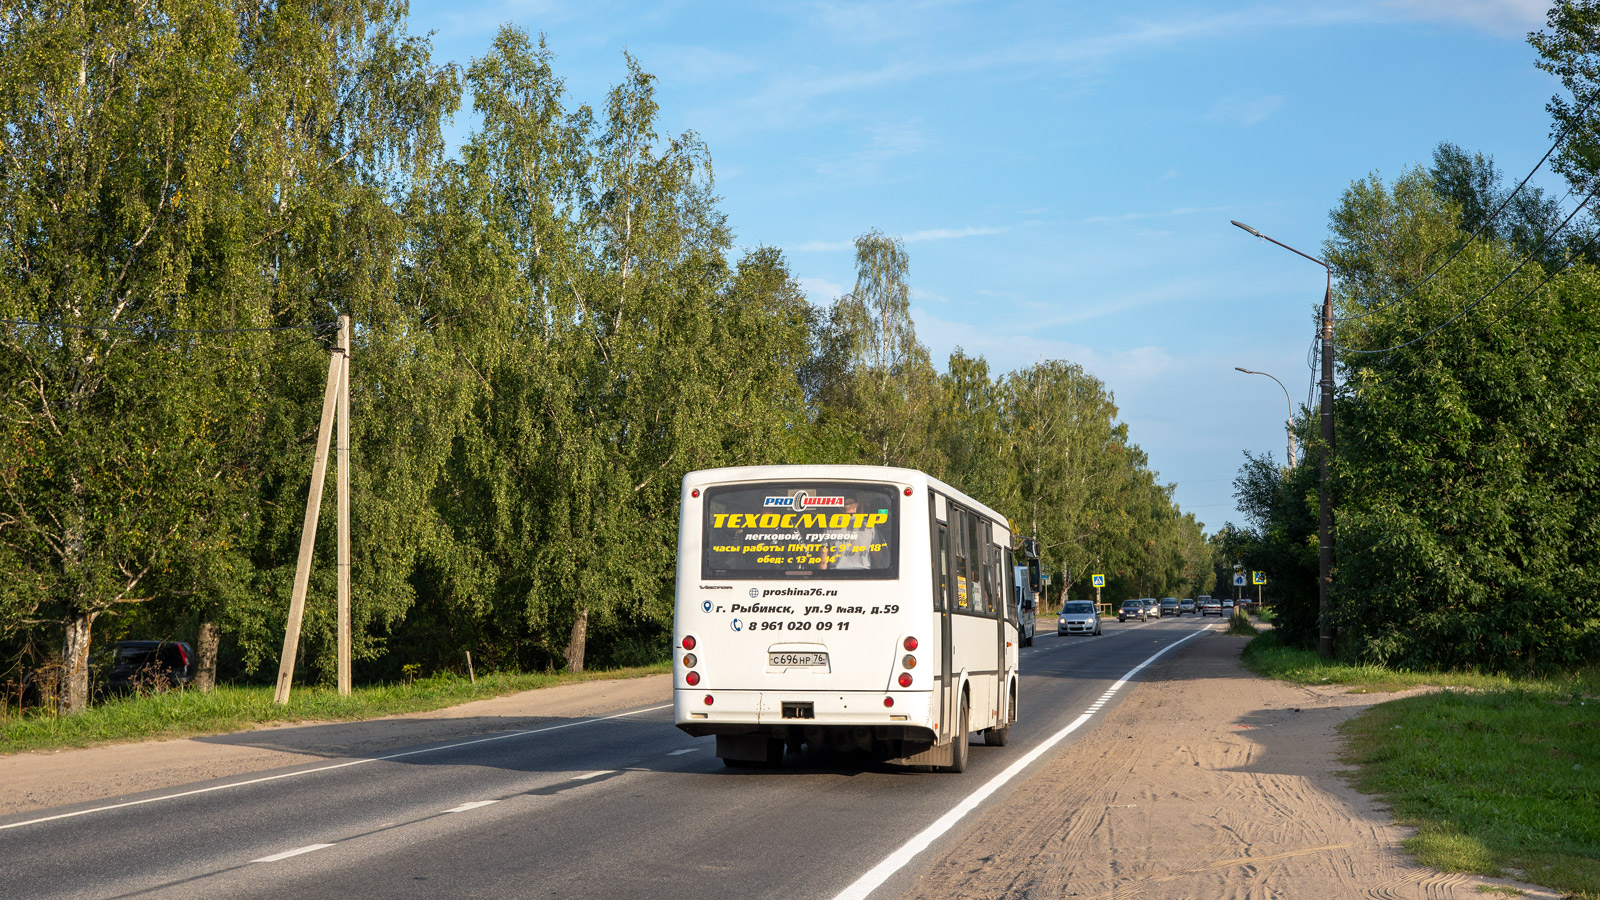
(229, 708)
(1499, 775)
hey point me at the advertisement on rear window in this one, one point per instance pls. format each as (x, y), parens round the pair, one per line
(826, 530)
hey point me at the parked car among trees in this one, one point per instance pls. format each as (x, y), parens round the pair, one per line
(146, 666)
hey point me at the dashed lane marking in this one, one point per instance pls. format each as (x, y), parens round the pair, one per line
(342, 765)
(473, 805)
(295, 852)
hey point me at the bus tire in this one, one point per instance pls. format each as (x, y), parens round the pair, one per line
(958, 753)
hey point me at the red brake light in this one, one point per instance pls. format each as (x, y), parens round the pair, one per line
(905, 679)
(695, 492)
(888, 702)
(688, 642)
(708, 700)
(693, 678)
(910, 643)
(184, 655)
(908, 492)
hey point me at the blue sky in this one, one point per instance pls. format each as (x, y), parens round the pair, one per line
(1064, 174)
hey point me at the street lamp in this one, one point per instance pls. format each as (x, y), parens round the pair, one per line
(1289, 424)
(1325, 527)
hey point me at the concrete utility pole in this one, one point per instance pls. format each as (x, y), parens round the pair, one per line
(1325, 525)
(308, 529)
(343, 481)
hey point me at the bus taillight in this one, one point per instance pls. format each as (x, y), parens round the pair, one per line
(905, 679)
(689, 660)
(688, 642)
(910, 643)
(908, 661)
(693, 678)
(888, 702)
(709, 701)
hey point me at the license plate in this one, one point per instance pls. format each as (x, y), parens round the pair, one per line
(797, 659)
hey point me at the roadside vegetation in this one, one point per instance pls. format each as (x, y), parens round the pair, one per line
(230, 708)
(554, 322)
(1500, 775)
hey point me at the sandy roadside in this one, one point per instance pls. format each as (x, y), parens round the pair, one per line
(1207, 781)
(30, 781)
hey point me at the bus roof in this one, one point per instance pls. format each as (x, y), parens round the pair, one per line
(912, 477)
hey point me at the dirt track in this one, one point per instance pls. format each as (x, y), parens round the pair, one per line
(1205, 782)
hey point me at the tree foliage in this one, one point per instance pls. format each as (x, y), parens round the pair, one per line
(552, 327)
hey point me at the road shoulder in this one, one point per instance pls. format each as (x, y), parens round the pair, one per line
(34, 781)
(1206, 781)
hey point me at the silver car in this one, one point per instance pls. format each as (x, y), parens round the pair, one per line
(1078, 617)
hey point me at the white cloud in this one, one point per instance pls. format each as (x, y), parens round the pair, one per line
(928, 296)
(1140, 216)
(945, 234)
(1511, 18)
(915, 237)
(886, 144)
(821, 291)
(822, 246)
(1245, 111)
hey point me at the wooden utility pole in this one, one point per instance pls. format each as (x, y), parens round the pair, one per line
(308, 532)
(342, 477)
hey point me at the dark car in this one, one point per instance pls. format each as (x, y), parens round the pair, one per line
(149, 665)
(1185, 605)
(1131, 609)
(1169, 607)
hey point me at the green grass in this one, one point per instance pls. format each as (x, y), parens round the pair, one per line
(1239, 623)
(1499, 775)
(228, 708)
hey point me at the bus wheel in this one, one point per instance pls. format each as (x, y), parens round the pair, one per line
(958, 755)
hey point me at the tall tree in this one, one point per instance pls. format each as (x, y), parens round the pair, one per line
(892, 388)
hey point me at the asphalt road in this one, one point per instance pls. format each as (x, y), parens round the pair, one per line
(623, 806)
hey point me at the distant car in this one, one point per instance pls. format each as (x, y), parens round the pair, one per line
(1210, 606)
(1078, 617)
(1185, 605)
(1169, 607)
(149, 665)
(1151, 607)
(1132, 609)
(1227, 603)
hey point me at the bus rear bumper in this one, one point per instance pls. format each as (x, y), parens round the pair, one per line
(797, 716)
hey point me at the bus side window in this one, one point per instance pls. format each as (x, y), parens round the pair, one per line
(977, 562)
(1011, 586)
(944, 567)
(963, 584)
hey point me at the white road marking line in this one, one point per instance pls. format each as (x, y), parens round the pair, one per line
(295, 852)
(682, 752)
(473, 805)
(593, 775)
(908, 851)
(343, 765)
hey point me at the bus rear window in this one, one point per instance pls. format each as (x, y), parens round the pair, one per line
(801, 531)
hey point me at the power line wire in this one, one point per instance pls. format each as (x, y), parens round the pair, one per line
(313, 326)
(1510, 307)
(1470, 238)
(1497, 285)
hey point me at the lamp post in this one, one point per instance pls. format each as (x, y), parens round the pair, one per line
(1325, 526)
(1288, 423)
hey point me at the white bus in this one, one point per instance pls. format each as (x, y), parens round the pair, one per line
(845, 606)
